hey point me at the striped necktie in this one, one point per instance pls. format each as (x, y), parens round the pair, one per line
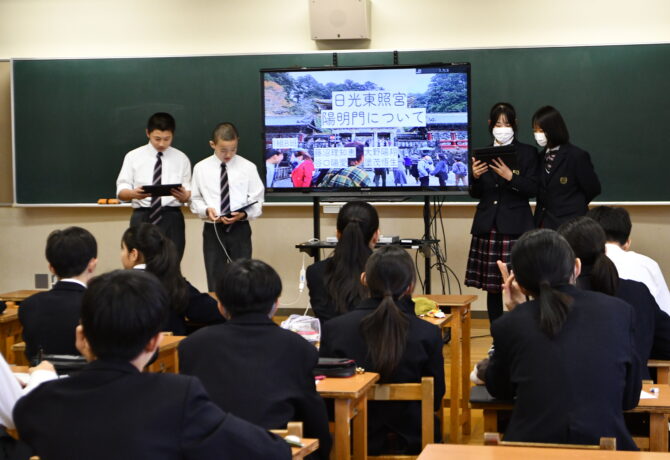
(155, 214)
(225, 192)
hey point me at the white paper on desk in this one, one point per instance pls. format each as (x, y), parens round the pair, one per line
(647, 395)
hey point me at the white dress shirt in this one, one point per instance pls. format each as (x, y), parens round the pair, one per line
(244, 184)
(638, 267)
(11, 391)
(138, 170)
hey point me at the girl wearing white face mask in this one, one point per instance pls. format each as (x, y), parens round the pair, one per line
(503, 212)
(567, 180)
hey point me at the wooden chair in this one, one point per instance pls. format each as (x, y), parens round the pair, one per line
(19, 349)
(662, 370)
(292, 428)
(494, 439)
(423, 392)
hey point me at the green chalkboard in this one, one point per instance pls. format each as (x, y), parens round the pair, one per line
(75, 119)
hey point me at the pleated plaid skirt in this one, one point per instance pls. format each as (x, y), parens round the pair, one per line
(482, 271)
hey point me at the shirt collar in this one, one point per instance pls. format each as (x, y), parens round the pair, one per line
(72, 280)
(613, 248)
(140, 267)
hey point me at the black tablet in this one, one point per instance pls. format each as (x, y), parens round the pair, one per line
(507, 153)
(243, 208)
(160, 190)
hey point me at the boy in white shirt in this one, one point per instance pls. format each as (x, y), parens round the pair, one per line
(224, 186)
(153, 164)
(630, 265)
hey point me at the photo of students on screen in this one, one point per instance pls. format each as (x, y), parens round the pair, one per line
(365, 128)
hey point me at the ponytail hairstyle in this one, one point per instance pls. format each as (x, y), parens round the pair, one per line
(542, 261)
(160, 256)
(389, 274)
(357, 223)
(587, 239)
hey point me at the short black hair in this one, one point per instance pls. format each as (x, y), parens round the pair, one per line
(161, 121)
(614, 220)
(502, 108)
(551, 122)
(360, 151)
(121, 311)
(69, 251)
(269, 153)
(248, 286)
(225, 131)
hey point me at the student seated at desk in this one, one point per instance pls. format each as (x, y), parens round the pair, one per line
(567, 355)
(146, 248)
(50, 318)
(250, 366)
(587, 239)
(334, 283)
(111, 410)
(384, 335)
(11, 390)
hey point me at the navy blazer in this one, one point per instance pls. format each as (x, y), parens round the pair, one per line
(260, 372)
(567, 191)
(341, 338)
(504, 204)
(50, 318)
(573, 388)
(645, 314)
(109, 410)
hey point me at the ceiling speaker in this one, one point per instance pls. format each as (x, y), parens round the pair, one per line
(339, 19)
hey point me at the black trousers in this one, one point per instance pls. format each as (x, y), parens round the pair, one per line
(236, 238)
(172, 224)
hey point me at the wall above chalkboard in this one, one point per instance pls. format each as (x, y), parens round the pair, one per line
(75, 119)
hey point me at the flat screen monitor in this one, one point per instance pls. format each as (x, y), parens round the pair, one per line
(400, 130)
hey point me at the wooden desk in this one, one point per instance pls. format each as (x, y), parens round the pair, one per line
(442, 323)
(10, 333)
(459, 410)
(168, 359)
(309, 445)
(351, 402)
(657, 408)
(473, 452)
(19, 296)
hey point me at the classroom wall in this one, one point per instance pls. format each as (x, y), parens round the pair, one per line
(97, 28)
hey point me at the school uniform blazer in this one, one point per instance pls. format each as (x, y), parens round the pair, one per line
(109, 410)
(572, 388)
(260, 372)
(341, 338)
(504, 204)
(50, 318)
(645, 314)
(568, 189)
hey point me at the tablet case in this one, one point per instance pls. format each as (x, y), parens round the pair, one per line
(507, 153)
(160, 190)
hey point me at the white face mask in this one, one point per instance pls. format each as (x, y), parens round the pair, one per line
(541, 139)
(503, 134)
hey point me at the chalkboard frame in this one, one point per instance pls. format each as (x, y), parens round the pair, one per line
(594, 130)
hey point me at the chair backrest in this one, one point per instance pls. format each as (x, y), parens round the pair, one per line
(494, 439)
(662, 370)
(423, 392)
(292, 428)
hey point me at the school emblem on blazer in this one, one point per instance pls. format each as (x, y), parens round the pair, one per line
(563, 180)
(516, 171)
